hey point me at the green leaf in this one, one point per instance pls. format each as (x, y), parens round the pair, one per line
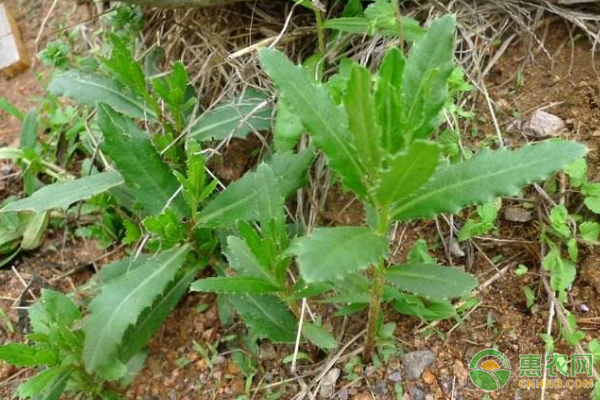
(91, 89)
(387, 99)
(146, 175)
(428, 68)
(26, 356)
(562, 271)
(593, 203)
(47, 385)
(242, 199)
(559, 217)
(244, 261)
(577, 172)
(408, 304)
(29, 134)
(53, 310)
(382, 16)
(137, 337)
(332, 253)
(348, 24)
(432, 281)
(319, 336)
(326, 123)
(589, 231)
(121, 303)
(407, 172)
(235, 118)
(33, 235)
(360, 108)
(10, 109)
(291, 170)
(266, 315)
(487, 175)
(288, 128)
(62, 195)
(235, 285)
(529, 296)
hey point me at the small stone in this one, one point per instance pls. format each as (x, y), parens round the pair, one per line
(328, 383)
(517, 214)
(219, 360)
(416, 362)
(395, 376)
(343, 394)
(428, 377)
(543, 125)
(268, 352)
(417, 394)
(381, 388)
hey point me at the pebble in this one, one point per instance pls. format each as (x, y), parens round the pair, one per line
(517, 214)
(343, 394)
(417, 394)
(543, 125)
(268, 352)
(395, 376)
(416, 362)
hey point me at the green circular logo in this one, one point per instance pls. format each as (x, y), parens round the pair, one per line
(489, 370)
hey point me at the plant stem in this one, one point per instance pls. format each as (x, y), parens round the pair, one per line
(320, 32)
(400, 22)
(374, 309)
(377, 272)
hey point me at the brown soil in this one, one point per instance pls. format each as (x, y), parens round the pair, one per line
(175, 370)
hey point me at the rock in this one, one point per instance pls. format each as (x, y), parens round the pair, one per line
(417, 394)
(543, 125)
(416, 362)
(395, 376)
(343, 394)
(328, 383)
(517, 214)
(268, 352)
(381, 388)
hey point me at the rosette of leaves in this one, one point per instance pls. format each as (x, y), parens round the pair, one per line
(375, 130)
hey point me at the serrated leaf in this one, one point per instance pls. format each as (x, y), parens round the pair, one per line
(487, 175)
(92, 89)
(121, 303)
(147, 176)
(360, 108)
(428, 68)
(136, 338)
(236, 118)
(407, 172)
(332, 253)
(319, 336)
(62, 195)
(53, 309)
(291, 170)
(235, 285)
(244, 261)
(430, 280)
(382, 16)
(326, 123)
(243, 199)
(562, 271)
(26, 356)
(266, 315)
(387, 99)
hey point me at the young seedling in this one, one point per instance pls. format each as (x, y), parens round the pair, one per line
(376, 139)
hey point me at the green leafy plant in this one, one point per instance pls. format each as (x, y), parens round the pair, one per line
(56, 345)
(376, 141)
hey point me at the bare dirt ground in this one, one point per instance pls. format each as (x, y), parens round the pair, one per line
(560, 75)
